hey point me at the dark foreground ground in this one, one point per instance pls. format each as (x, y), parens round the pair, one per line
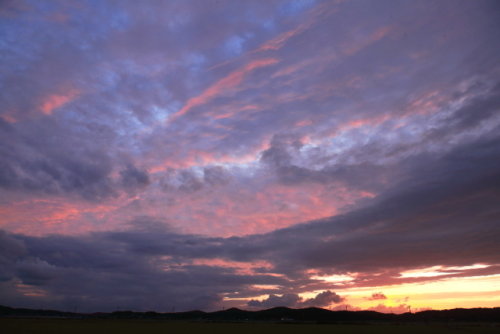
(110, 326)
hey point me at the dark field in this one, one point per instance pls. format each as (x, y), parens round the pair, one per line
(55, 326)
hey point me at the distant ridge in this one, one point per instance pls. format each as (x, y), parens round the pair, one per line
(283, 314)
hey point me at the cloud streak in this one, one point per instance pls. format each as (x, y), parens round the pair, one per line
(225, 86)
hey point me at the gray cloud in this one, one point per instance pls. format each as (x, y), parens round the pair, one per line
(10, 249)
(322, 299)
(35, 272)
(133, 178)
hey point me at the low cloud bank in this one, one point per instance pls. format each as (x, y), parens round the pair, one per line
(322, 299)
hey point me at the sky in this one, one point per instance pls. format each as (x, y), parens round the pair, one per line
(207, 154)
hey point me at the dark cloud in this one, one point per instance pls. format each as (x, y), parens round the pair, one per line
(190, 182)
(452, 190)
(35, 272)
(205, 301)
(288, 300)
(472, 114)
(134, 178)
(322, 299)
(216, 175)
(47, 165)
(10, 249)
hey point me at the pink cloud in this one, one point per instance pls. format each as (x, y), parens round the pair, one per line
(225, 85)
(38, 216)
(54, 101)
(9, 118)
(278, 42)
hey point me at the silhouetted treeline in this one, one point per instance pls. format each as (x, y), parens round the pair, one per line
(284, 314)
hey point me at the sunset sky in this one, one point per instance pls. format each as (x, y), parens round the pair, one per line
(250, 154)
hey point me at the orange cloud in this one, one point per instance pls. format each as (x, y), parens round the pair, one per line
(52, 102)
(28, 290)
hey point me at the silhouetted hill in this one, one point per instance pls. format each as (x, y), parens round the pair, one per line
(285, 314)
(26, 312)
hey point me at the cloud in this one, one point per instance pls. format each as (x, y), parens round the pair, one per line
(10, 249)
(466, 186)
(55, 101)
(205, 301)
(133, 178)
(322, 299)
(376, 296)
(287, 300)
(225, 85)
(35, 272)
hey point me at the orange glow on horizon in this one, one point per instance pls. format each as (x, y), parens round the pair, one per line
(447, 293)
